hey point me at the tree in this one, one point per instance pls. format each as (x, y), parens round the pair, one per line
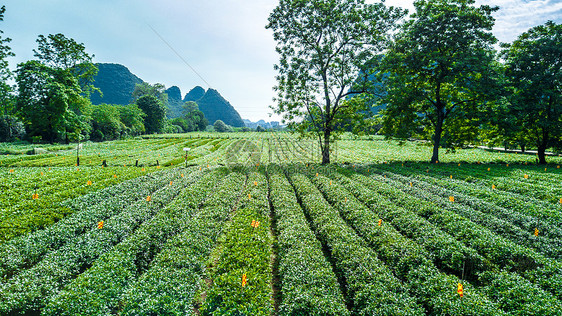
(58, 51)
(6, 98)
(221, 127)
(10, 128)
(133, 119)
(45, 96)
(441, 71)
(323, 45)
(106, 123)
(155, 111)
(195, 118)
(157, 90)
(534, 67)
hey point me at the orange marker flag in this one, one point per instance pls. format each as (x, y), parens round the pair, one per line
(148, 198)
(100, 225)
(560, 201)
(249, 196)
(330, 182)
(488, 169)
(317, 174)
(526, 176)
(11, 170)
(459, 165)
(244, 280)
(460, 290)
(171, 182)
(451, 199)
(411, 184)
(451, 176)
(143, 169)
(380, 222)
(493, 186)
(41, 172)
(35, 196)
(255, 183)
(115, 176)
(253, 224)
(536, 232)
(89, 182)
(558, 167)
(507, 165)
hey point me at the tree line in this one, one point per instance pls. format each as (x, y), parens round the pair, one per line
(50, 101)
(436, 73)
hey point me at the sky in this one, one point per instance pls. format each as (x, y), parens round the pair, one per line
(225, 41)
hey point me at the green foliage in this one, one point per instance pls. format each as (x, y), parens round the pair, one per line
(155, 111)
(221, 127)
(323, 45)
(245, 250)
(106, 122)
(59, 52)
(6, 103)
(11, 128)
(132, 118)
(533, 63)
(46, 99)
(156, 90)
(441, 72)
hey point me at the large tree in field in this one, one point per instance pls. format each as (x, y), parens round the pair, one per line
(323, 46)
(60, 52)
(53, 88)
(441, 71)
(45, 96)
(534, 67)
(155, 113)
(6, 98)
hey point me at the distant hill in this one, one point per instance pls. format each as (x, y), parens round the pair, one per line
(175, 102)
(215, 107)
(194, 94)
(116, 83)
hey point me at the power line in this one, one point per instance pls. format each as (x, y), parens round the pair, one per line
(184, 61)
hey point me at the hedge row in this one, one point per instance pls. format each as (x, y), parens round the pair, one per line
(172, 284)
(244, 250)
(494, 218)
(370, 288)
(527, 210)
(411, 224)
(98, 290)
(25, 251)
(308, 284)
(409, 261)
(23, 214)
(499, 251)
(31, 289)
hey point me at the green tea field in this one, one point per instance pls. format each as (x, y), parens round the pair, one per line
(252, 224)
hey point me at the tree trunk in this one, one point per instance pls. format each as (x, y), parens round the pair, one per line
(326, 147)
(522, 148)
(437, 134)
(542, 147)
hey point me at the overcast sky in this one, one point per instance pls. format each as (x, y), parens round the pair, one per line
(224, 40)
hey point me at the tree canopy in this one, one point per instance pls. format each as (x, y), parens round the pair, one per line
(534, 67)
(323, 45)
(155, 112)
(440, 71)
(6, 99)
